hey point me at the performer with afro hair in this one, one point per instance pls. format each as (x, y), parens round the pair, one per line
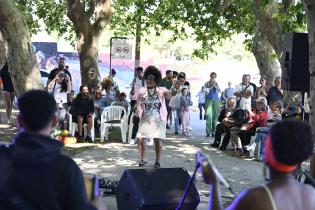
(151, 109)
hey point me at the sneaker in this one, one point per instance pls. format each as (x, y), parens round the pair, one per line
(157, 165)
(215, 145)
(132, 141)
(176, 133)
(189, 128)
(168, 127)
(80, 139)
(143, 163)
(89, 139)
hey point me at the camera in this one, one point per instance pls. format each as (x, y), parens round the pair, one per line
(91, 186)
(62, 75)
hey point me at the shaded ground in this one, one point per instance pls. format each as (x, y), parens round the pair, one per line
(111, 158)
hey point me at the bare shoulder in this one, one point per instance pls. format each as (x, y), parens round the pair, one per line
(248, 199)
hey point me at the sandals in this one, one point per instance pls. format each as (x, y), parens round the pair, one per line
(143, 163)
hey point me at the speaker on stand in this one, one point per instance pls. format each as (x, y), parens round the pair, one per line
(295, 69)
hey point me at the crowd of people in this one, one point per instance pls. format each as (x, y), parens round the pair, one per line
(243, 114)
(248, 117)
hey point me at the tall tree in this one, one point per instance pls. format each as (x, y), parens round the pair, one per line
(79, 20)
(23, 66)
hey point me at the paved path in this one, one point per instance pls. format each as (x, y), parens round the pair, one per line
(111, 159)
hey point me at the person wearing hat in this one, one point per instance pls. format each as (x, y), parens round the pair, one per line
(288, 144)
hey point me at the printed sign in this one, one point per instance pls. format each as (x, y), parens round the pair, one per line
(121, 49)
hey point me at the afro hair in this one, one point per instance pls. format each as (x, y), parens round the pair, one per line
(152, 70)
(292, 141)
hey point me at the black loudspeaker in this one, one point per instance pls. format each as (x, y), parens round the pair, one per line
(295, 73)
(155, 189)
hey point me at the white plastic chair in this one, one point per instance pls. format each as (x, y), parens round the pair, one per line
(111, 117)
(130, 127)
(73, 127)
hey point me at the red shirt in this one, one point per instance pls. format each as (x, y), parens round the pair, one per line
(258, 120)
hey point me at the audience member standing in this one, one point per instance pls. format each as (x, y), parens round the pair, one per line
(275, 93)
(262, 90)
(201, 103)
(60, 86)
(243, 93)
(167, 82)
(175, 100)
(8, 91)
(185, 102)
(227, 93)
(137, 83)
(110, 86)
(55, 72)
(212, 104)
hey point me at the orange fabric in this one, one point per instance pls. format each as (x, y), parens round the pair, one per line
(271, 160)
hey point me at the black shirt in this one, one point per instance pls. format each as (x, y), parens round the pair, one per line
(82, 106)
(36, 175)
(55, 71)
(6, 79)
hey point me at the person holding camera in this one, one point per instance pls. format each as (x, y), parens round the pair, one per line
(59, 87)
(55, 72)
(34, 172)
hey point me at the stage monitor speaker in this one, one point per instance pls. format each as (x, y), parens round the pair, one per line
(295, 72)
(155, 189)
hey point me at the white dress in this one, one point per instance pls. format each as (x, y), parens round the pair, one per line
(151, 125)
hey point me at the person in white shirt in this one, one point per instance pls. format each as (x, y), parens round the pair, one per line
(201, 103)
(137, 83)
(243, 93)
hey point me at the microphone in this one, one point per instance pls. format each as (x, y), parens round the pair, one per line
(204, 161)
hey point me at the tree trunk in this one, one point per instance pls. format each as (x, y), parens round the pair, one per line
(263, 51)
(2, 51)
(138, 44)
(88, 35)
(88, 54)
(270, 27)
(23, 66)
(309, 6)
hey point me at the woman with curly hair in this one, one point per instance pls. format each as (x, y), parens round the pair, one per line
(287, 145)
(151, 109)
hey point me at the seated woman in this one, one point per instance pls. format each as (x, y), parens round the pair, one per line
(100, 103)
(225, 122)
(121, 101)
(288, 144)
(261, 132)
(60, 86)
(258, 118)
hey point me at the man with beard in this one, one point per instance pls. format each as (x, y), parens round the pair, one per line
(82, 111)
(55, 72)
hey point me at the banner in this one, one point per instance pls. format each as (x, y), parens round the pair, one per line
(121, 49)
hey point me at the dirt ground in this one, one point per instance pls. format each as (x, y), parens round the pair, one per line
(110, 159)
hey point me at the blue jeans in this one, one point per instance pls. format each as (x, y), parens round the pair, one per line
(176, 119)
(260, 138)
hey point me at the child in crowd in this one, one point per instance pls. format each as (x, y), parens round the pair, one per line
(185, 102)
